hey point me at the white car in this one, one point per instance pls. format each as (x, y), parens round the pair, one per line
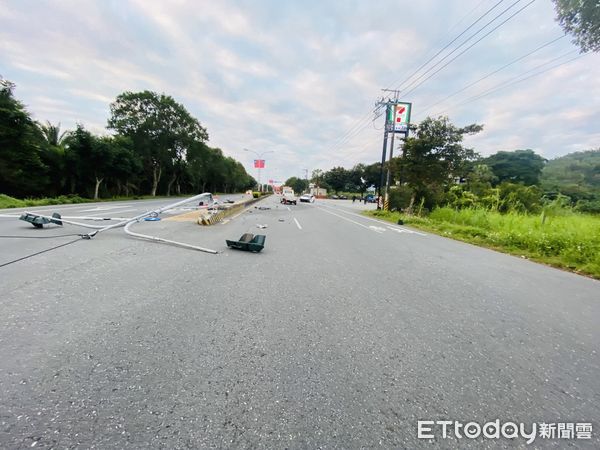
(307, 198)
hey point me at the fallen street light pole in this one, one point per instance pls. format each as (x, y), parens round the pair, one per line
(167, 241)
(153, 212)
(126, 223)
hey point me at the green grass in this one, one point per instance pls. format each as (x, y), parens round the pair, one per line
(569, 241)
(11, 202)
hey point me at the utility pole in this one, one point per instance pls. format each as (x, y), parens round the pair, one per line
(383, 155)
(390, 127)
(386, 201)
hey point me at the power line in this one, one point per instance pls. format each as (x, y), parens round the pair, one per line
(362, 122)
(352, 133)
(462, 43)
(518, 79)
(514, 61)
(471, 46)
(40, 252)
(448, 45)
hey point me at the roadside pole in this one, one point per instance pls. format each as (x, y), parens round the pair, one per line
(383, 156)
(397, 121)
(388, 178)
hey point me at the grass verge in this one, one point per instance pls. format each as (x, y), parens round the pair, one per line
(11, 202)
(569, 241)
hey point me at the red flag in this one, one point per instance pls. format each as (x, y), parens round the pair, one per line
(259, 163)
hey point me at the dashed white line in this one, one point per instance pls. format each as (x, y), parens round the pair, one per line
(297, 223)
(395, 228)
(349, 220)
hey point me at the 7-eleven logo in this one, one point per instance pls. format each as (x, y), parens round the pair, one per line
(401, 114)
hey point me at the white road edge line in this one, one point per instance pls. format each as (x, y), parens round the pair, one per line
(350, 220)
(405, 230)
(297, 223)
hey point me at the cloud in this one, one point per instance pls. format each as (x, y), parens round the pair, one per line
(298, 78)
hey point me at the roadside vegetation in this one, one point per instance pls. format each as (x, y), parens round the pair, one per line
(153, 146)
(514, 201)
(7, 201)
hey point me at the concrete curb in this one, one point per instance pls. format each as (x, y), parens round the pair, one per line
(211, 219)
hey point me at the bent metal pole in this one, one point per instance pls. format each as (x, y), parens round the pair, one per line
(152, 212)
(167, 241)
(127, 223)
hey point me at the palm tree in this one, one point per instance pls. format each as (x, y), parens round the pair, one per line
(51, 134)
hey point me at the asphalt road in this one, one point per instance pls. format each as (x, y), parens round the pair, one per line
(342, 333)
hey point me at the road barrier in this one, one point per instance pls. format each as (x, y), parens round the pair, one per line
(211, 218)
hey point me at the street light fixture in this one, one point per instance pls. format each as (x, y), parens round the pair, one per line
(259, 155)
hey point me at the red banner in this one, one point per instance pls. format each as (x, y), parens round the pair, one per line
(259, 163)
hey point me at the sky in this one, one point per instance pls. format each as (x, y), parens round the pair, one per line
(297, 81)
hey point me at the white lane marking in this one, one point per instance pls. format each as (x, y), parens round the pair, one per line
(102, 214)
(349, 220)
(378, 229)
(288, 208)
(297, 223)
(404, 230)
(107, 208)
(401, 230)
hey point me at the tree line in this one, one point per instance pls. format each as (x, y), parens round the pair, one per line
(156, 147)
(434, 169)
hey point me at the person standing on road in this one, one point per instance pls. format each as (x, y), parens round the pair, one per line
(353, 198)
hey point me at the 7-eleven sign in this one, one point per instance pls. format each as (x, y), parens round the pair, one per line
(400, 116)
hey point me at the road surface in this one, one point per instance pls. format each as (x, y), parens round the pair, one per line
(343, 333)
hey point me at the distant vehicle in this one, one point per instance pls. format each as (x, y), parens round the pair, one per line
(288, 196)
(371, 198)
(343, 197)
(307, 198)
(334, 197)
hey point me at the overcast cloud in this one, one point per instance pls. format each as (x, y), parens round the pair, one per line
(293, 77)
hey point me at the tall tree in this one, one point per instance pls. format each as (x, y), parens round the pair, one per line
(53, 156)
(520, 166)
(126, 165)
(337, 178)
(52, 134)
(22, 171)
(432, 158)
(580, 19)
(299, 185)
(93, 158)
(162, 129)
